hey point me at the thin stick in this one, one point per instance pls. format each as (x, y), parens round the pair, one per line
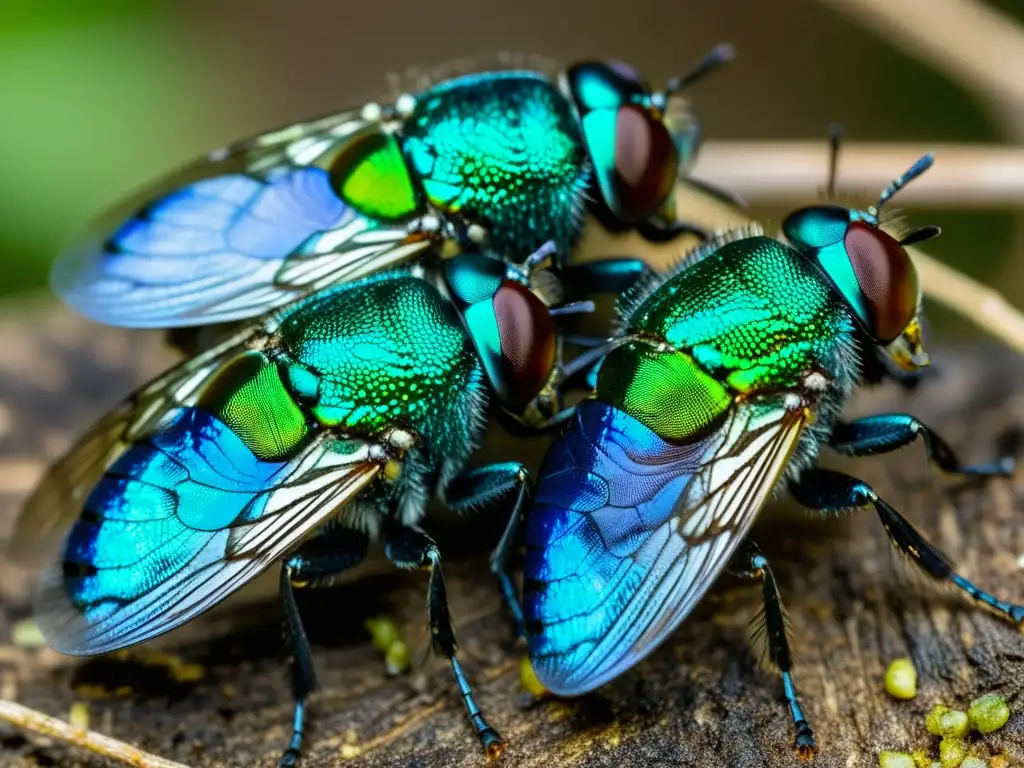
(973, 43)
(36, 722)
(978, 303)
(792, 172)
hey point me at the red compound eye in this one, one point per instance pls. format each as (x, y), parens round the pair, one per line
(645, 165)
(527, 334)
(887, 279)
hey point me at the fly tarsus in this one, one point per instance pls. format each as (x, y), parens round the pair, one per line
(754, 565)
(409, 547)
(830, 491)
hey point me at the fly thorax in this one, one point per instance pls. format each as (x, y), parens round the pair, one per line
(751, 312)
(389, 352)
(501, 149)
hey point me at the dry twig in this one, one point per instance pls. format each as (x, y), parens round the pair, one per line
(971, 42)
(37, 722)
(793, 172)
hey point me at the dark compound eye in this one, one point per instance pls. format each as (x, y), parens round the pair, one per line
(887, 278)
(527, 335)
(635, 157)
(645, 165)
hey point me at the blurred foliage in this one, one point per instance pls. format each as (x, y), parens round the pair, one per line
(72, 75)
(979, 244)
(100, 97)
(19, 17)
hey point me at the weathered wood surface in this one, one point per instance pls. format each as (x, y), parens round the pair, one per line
(702, 700)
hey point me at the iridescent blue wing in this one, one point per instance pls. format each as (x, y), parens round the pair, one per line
(628, 531)
(57, 499)
(180, 520)
(249, 228)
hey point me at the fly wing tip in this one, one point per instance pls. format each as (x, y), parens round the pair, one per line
(64, 627)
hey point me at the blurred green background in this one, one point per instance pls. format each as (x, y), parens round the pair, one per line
(99, 97)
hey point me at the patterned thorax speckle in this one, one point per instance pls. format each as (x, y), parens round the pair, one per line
(389, 351)
(752, 313)
(504, 148)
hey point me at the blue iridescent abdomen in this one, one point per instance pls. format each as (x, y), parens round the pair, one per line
(592, 537)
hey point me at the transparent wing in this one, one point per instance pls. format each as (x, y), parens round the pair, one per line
(57, 499)
(627, 532)
(183, 518)
(248, 228)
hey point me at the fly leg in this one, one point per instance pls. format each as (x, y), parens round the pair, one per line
(720, 194)
(829, 491)
(754, 565)
(316, 563)
(615, 276)
(888, 431)
(588, 375)
(655, 230)
(545, 412)
(586, 365)
(409, 547)
(480, 486)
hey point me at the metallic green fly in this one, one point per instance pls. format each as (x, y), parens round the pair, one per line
(729, 375)
(393, 255)
(299, 439)
(507, 161)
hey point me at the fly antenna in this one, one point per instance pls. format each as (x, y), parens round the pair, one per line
(715, 58)
(835, 139)
(922, 165)
(920, 234)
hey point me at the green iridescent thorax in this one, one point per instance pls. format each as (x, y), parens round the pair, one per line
(502, 149)
(388, 351)
(753, 313)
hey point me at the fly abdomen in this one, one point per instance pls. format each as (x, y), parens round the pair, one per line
(596, 538)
